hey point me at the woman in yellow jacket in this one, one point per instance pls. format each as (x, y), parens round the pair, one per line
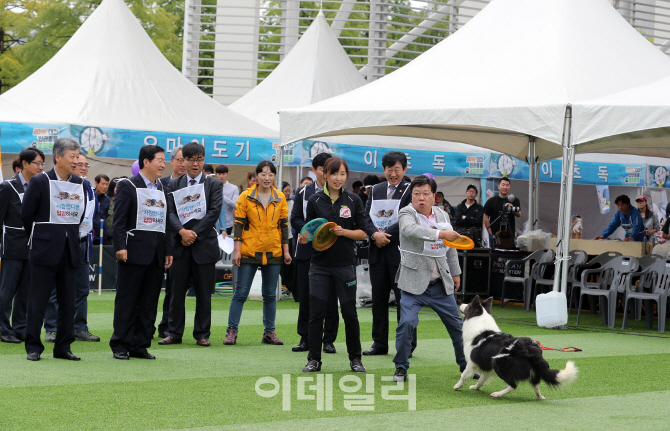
(261, 239)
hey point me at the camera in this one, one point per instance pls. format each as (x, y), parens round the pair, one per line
(511, 209)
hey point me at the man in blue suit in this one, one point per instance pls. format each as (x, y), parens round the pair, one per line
(54, 206)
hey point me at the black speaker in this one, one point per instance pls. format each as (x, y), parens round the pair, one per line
(476, 271)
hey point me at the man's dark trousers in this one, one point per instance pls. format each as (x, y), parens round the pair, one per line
(382, 277)
(14, 291)
(65, 276)
(203, 279)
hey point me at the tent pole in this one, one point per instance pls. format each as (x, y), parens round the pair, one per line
(536, 202)
(561, 231)
(280, 171)
(567, 217)
(531, 184)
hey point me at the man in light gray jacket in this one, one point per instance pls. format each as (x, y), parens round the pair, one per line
(429, 273)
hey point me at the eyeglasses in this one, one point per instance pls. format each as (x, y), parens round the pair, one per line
(178, 160)
(80, 165)
(417, 194)
(198, 160)
(38, 164)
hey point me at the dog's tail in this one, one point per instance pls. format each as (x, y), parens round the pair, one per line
(556, 377)
(567, 374)
(541, 368)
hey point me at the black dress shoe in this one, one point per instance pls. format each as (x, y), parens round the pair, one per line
(375, 351)
(357, 366)
(67, 355)
(121, 355)
(312, 366)
(142, 355)
(400, 375)
(9, 339)
(162, 334)
(329, 348)
(33, 356)
(302, 347)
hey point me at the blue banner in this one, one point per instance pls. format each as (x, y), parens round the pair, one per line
(125, 144)
(369, 159)
(595, 173)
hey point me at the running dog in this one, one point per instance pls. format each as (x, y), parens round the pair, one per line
(490, 351)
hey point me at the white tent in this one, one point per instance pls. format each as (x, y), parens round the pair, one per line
(111, 74)
(317, 68)
(637, 119)
(514, 70)
(508, 74)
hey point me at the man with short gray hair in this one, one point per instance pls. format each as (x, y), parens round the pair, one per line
(53, 207)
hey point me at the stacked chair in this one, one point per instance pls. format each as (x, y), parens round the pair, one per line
(610, 285)
(649, 285)
(544, 255)
(544, 280)
(575, 274)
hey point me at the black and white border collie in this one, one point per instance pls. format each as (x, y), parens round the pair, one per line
(490, 351)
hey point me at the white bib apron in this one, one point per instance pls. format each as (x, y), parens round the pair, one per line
(151, 210)
(86, 225)
(66, 203)
(190, 202)
(384, 213)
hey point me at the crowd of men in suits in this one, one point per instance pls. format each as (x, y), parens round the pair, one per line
(170, 224)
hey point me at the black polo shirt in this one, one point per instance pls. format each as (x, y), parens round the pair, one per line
(347, 211)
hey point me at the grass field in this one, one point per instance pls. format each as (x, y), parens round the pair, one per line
(622, 381)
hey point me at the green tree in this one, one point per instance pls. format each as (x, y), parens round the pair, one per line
(42, 27)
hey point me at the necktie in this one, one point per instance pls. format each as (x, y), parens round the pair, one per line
(191, 183)
(391, 191)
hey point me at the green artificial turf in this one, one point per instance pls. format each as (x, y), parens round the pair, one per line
(621, 380)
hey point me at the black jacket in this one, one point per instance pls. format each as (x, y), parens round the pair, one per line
(297, 216)
(466, 218)
(14, 237)
(347, 211)
(205, 249)
(379, 192)
(48, 239)
(141, 245)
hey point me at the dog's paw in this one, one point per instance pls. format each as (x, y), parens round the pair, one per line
(458, 385)
(541, 397)
(498, 394)
(474, 388)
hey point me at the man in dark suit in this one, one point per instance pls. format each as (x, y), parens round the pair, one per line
(384, 203)
(53, 208)
(303, 255)
(178, 169)
(194, 207)
(143, 252)
(14, 277)
(101, 187)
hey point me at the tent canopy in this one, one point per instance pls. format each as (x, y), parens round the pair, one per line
(508, 74)
(638, 120)
(111, 74)
(317, 68)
